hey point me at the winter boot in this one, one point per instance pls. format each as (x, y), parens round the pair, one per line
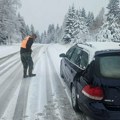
(25, 73)
(25, 76)
(31, 74)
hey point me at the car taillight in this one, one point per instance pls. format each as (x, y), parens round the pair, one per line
(92, 92)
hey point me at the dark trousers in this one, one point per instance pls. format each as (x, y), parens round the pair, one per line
(27, 63)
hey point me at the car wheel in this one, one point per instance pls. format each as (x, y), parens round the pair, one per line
(74, 99)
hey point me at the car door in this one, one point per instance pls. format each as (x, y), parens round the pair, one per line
(83, 65)
(73, 65)
(66, 60)
(84, 60)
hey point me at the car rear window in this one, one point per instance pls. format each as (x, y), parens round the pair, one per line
(110, 66)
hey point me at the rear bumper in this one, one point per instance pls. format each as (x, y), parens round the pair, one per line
(97, 110)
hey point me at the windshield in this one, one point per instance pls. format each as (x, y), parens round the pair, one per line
(110, 66)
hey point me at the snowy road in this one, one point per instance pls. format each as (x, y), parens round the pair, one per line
(44, 97)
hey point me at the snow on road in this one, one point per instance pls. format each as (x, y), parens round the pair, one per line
(6, 50)
(44, 97)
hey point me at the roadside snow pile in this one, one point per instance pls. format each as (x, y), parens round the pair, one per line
(9, 49)
(6, 50)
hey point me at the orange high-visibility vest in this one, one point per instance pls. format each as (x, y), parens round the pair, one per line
(24, 41)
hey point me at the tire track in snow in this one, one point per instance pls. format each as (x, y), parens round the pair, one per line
(37, 95)
(8, 87)
(20, 110)
(9, 112)
(41, 103)
(10, 79)
(22, 100)
(8, 66)
(51, 111)
(42, 106)
(6, 58)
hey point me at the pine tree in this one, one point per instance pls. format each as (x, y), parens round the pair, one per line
(32, 29)
(90, 20)
(80, 27)
(41, 38)
(28, 31)
(45, 37)
(51, 33)
(23, 27)
(69, 26)
(110, 31)
(8, 19)
(83, 13)
(57, 33)
(99, 20)
(38, 40)
(113, 11)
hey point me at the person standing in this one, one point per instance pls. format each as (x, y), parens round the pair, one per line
(26, 58)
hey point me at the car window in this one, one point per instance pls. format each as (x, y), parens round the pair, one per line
(75, 58)
(84, 60)
(70, 52)
(110, 66)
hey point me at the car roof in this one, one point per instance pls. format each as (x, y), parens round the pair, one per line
(93, 47)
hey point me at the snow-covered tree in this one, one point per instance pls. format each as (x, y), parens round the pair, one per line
(44, 37)
(50, 33)
(83, 13)
(110, 31)
(24, 30)
(69, 25)
(38, 39)
(28, 31)
(90, 20)
(113, 11)
(12, 25)
(80, 27)
(99, 20)
(57, 34)
(8, 19)
(32, 29)
(75, 28)
(60, 34)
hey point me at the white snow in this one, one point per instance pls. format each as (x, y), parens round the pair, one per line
(8, 115)
(37, 91)
(38, 88)
(6, 50)
(92, 47)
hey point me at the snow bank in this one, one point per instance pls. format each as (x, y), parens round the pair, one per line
(6, 50)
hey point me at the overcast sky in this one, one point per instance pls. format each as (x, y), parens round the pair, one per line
(41, 13)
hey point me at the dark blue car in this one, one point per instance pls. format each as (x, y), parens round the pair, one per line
(92, 72)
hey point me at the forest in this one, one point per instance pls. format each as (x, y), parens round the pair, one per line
(78, 25)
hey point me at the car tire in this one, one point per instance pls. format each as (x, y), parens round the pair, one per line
(74, 99)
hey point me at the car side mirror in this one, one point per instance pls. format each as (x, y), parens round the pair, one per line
(62, 55)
